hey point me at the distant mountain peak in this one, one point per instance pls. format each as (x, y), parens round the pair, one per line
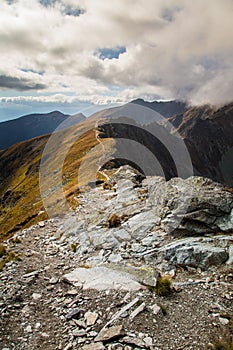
(33, 125)
(165, 108)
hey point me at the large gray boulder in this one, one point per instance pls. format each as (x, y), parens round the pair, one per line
(192, 206)
(198, 252)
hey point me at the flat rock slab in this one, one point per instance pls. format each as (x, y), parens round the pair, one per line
(107, 334)
(97, 346)
(102, 278)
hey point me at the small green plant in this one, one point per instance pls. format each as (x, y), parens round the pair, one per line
(151, 288)
(164, 286)
(114, 221)
(73, 247)
(2, 250)
(163, 309)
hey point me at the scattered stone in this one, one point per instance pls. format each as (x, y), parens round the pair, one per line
(37, 326)
(223, 320)
(90, 318)
(111, 333)
(78, 333)
(53, 280)
(155, 309)
(81, 324)
(45, 335)
(134, 341)
(137, 311)
(122, 311)
(68, 346)
(72, 292)
(41, 224)
(31, 274)
(28, 329)
(36, 296)
(73, 314)
(96, 346)
(148, 341)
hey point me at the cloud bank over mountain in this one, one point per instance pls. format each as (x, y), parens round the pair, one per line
(116, 51)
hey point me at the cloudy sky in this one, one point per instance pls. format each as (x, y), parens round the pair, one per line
(80, 55)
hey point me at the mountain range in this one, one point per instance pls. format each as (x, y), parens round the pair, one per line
(207, 132)
(33, 125)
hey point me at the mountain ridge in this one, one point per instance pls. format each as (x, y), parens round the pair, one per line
(32, 125)
(165, 108)
(208, 135)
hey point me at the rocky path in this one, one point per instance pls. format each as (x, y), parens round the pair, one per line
(46, 303)
(37, 306)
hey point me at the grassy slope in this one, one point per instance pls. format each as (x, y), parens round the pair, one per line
(19, 173)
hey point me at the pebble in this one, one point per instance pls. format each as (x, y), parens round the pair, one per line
(148, 341)
(223, 321)
(155, 308)
(28, 329)
(73, 314)
(36, 296)
(91, 318)
(53, 280)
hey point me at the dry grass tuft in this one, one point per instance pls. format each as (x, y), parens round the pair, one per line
(164, 286)
(114, 221)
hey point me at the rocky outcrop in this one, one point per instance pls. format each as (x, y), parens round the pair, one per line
(192, 206)
(155, 219)
(197, 252)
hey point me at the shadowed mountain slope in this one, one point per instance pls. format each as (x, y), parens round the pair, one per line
(33, 125)
(208, 134)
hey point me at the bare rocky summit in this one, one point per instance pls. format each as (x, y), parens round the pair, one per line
(141, 264)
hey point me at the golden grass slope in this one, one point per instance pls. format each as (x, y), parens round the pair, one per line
(20, 198)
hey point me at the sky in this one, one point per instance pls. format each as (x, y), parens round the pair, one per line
(82, 55)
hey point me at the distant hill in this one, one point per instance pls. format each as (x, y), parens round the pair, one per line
(33, 125)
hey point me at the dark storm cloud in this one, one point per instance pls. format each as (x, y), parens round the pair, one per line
(19, 84)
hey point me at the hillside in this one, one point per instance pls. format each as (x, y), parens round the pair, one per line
(32, 125)
(207, 132)
(20, 195)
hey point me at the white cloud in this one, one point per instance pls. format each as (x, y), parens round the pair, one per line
(174, 48)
